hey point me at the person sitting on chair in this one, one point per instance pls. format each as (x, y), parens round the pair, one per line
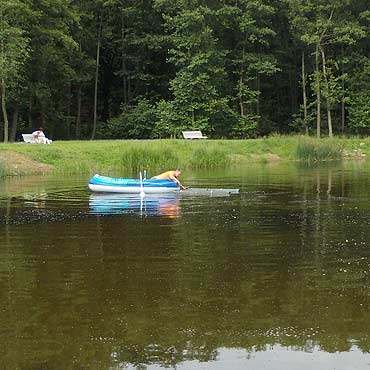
(35, 136)
(171, 175)
(39, 137)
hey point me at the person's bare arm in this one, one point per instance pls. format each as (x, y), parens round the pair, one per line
(178, 182)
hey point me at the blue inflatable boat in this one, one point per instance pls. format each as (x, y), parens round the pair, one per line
(104, 184)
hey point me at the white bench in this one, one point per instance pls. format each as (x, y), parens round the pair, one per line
(28, 138)
(193, 135)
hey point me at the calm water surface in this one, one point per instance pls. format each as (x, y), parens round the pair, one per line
(277, 277)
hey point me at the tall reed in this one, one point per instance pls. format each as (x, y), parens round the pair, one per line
(317, 150)
(208, 155)
(2, 170)
(136, 158)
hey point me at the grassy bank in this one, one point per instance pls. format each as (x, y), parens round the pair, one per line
(154, 155)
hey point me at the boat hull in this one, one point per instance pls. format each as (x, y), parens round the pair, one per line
(104, 184)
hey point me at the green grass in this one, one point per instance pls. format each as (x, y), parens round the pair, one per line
(314, 150)
(129, 156)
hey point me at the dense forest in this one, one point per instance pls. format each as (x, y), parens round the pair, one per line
(151, 68)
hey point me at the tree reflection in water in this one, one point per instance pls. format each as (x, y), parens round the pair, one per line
(280, 270)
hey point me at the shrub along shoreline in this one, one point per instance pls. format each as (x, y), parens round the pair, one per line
(82, 157)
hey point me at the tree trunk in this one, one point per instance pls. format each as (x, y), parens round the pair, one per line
(42, 115)
(97, 65)
(330, 126)
(241, 103)
(2, 83)
(69, 93)
(318, 93)
(124, 67)
(30, 123)
(13, 130)
(258, 96)
(304, 94)
(241, 84)
(292, 88)
(5, 114)
(78, 117)
(343, 116)
(343, 108)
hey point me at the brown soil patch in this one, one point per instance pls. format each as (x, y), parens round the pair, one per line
(19, 164)
(269, 157)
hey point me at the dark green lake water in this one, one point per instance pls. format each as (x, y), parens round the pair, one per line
(277, 277)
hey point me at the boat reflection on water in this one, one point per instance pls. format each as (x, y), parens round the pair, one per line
(165, 205)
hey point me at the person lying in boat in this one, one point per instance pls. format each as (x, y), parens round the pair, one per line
(171, 175)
